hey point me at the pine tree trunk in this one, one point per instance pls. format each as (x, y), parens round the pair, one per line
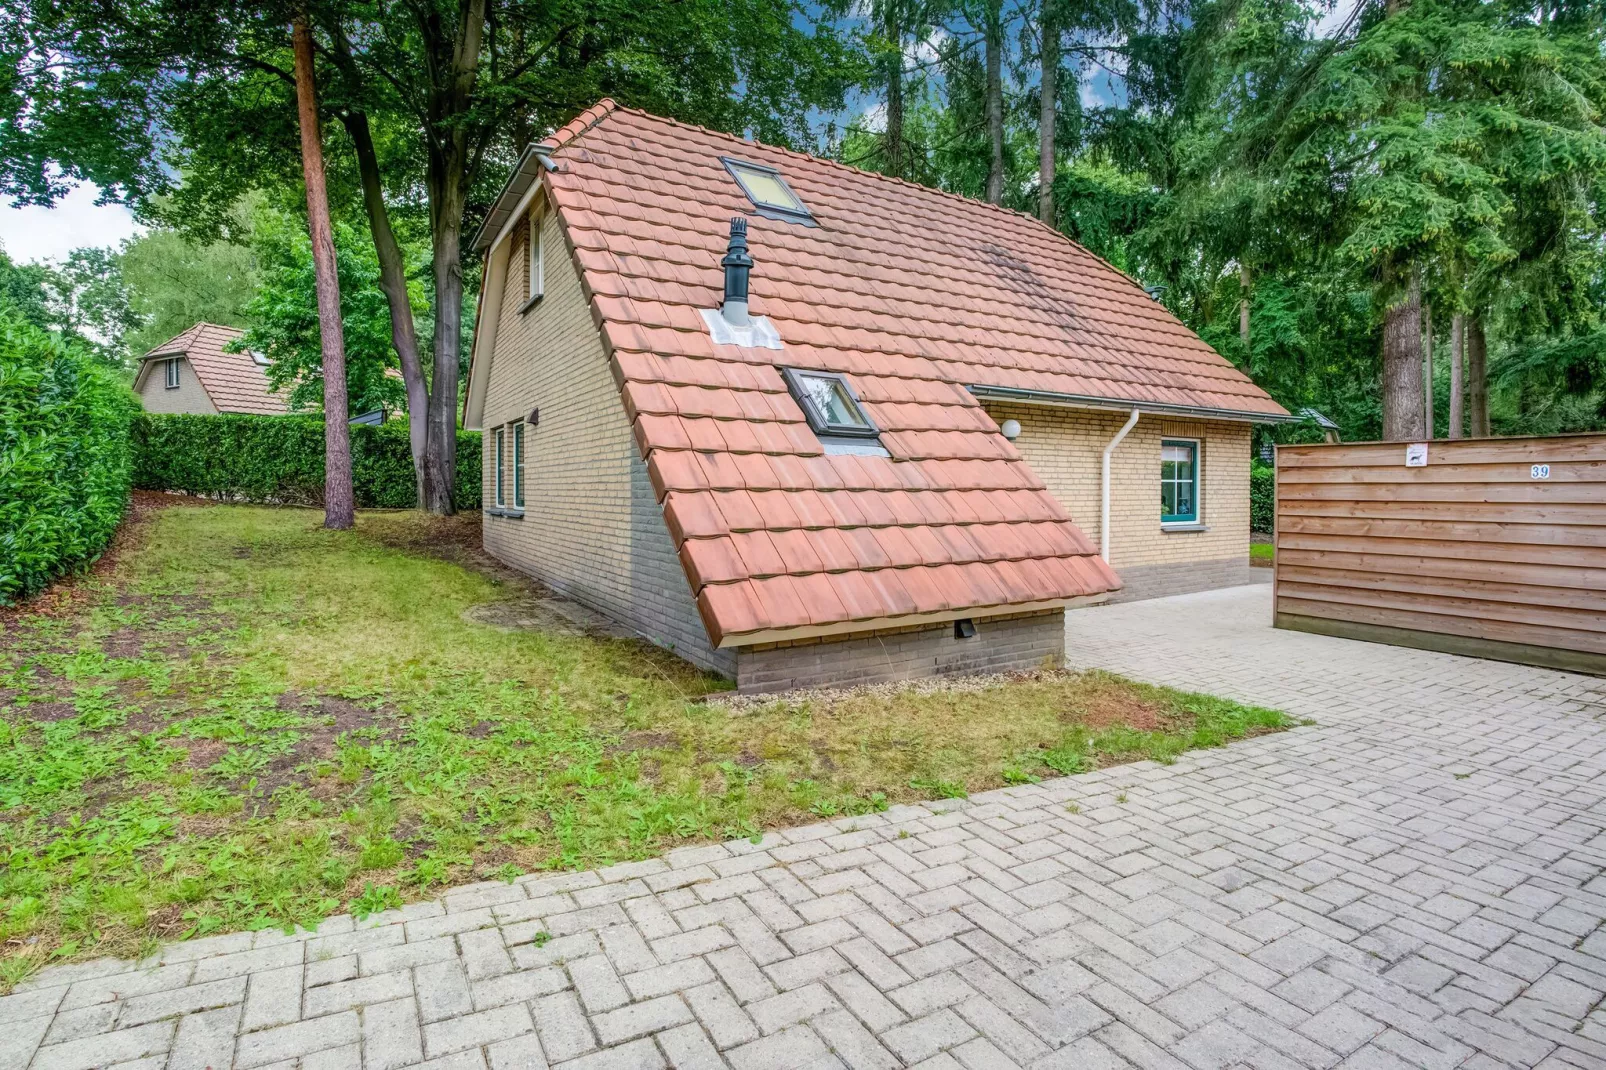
(994, 34)
(393, 281)
(339, 508)
(1477, 378)
(896, 165)
(1402, 367)
(1427, 368)
(1458, 331)
(1243, 306)
(1048, 116)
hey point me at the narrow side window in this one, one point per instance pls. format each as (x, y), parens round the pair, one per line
(501, 490)
(172, 374)
(534, 271)
(518, 465)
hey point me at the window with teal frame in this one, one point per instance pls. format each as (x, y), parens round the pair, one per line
(1179, 482)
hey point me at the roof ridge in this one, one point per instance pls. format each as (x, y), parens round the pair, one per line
(189, 336)
(167, 346)
(960, 197)
(581, 123)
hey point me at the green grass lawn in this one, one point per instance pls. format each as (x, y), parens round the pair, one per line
(248, 721)
(1262, 553)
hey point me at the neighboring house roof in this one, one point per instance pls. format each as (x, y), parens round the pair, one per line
(234, 381)
(919, 297)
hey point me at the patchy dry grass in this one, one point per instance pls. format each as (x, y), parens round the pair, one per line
(248, 721)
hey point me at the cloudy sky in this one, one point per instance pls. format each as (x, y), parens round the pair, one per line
(75, 221)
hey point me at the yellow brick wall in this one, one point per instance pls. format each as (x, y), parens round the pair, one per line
(1064, 446)
(189, 396)
(592, 528)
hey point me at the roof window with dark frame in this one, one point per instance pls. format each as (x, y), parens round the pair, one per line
(834, 412)
(768, 191)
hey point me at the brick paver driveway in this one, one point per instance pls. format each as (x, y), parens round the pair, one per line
(1413, 882)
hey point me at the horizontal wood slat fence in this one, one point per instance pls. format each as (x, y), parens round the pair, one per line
(1494, 547)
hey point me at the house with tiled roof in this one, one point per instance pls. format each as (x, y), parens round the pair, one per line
(808, 425)
(195, 373)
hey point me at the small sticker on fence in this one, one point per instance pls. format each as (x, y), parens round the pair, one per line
(1539, 471)
(1416, 455)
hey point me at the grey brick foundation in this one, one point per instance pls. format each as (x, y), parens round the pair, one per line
(1186, 577)
(1001, 644)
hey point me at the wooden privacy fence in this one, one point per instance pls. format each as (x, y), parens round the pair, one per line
(1493, 547)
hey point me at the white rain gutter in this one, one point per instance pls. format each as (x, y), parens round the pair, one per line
(1104, 506)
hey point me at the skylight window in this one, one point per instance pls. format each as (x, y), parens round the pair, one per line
(768, 191)
(829, 403)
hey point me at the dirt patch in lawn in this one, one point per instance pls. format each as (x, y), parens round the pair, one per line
(640, 741)
(1108, 707)
(458, 539)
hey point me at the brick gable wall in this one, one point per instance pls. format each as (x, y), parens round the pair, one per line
(592, 528)
(190, 396)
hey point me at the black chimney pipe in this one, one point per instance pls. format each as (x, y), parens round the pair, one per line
(737, 265)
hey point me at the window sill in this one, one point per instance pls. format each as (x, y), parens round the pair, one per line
(501, 511)
(530, 303)
(1183, 528)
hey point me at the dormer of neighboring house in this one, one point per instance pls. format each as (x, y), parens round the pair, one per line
(194, 373)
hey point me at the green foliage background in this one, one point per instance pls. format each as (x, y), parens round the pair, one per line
(64, 457)
(279, 460)
(1262, 497)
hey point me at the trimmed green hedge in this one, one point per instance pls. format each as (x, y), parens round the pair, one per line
(1262, 497)
(279, 460)
(64, 459)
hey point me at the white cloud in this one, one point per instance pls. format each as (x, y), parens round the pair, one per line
(926, 52)
(1333, 17)
(1101, 88)
(33, 233)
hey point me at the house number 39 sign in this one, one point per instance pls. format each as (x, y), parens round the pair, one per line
(1539, 471)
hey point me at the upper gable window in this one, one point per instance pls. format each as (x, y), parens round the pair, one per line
(830, 404)
(172, 373)
(534, 271)
(768, 191)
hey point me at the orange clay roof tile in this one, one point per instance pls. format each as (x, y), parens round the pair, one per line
(915, 296)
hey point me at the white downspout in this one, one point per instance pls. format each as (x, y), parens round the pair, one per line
(1104, 507)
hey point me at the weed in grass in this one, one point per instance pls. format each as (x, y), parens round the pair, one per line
(541, 938)
(1073, 808)
(1121, 798)
(375, 899)
(939, 789)
(1016, 773)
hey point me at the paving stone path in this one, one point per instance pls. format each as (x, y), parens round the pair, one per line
(1416, 881)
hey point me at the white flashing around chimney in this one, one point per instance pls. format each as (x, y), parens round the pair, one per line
(759, 333)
